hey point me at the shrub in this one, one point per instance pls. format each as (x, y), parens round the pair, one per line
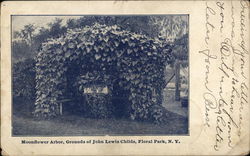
(23, 87)
(24, 79)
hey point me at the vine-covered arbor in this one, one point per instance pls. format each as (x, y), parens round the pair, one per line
(105, 57)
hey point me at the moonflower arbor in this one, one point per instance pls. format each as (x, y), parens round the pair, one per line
(105, 56)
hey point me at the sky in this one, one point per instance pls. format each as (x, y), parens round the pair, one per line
(18, 22)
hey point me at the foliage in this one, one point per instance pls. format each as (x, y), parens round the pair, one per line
(170, 27)
(56, 28)
(136, 24)
(95, 104)
(24, 79)
(31, 37)
(158, 114)
(26, 34)
(98, 105)
(27, 41)
(23, 43)
(135, 59)
(180, 48)
(20, 51)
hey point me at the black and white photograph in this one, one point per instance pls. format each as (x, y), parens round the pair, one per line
(96, 75)
(125, 77)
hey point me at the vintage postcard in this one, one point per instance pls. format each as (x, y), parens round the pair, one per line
(125, 78)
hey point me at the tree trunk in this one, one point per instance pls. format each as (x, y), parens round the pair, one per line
(177, 80)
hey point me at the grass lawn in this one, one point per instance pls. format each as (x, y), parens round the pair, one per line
(72, 125)
(23, 124)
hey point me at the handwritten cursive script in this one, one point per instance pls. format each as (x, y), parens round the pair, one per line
(226, 70)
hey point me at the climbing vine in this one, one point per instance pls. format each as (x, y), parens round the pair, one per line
(111, 53)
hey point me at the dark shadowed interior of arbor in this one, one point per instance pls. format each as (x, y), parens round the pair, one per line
(78, 103)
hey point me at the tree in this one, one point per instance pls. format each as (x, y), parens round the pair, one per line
(23, 43)
(56, 28)
(27, 33)
(170, 27)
